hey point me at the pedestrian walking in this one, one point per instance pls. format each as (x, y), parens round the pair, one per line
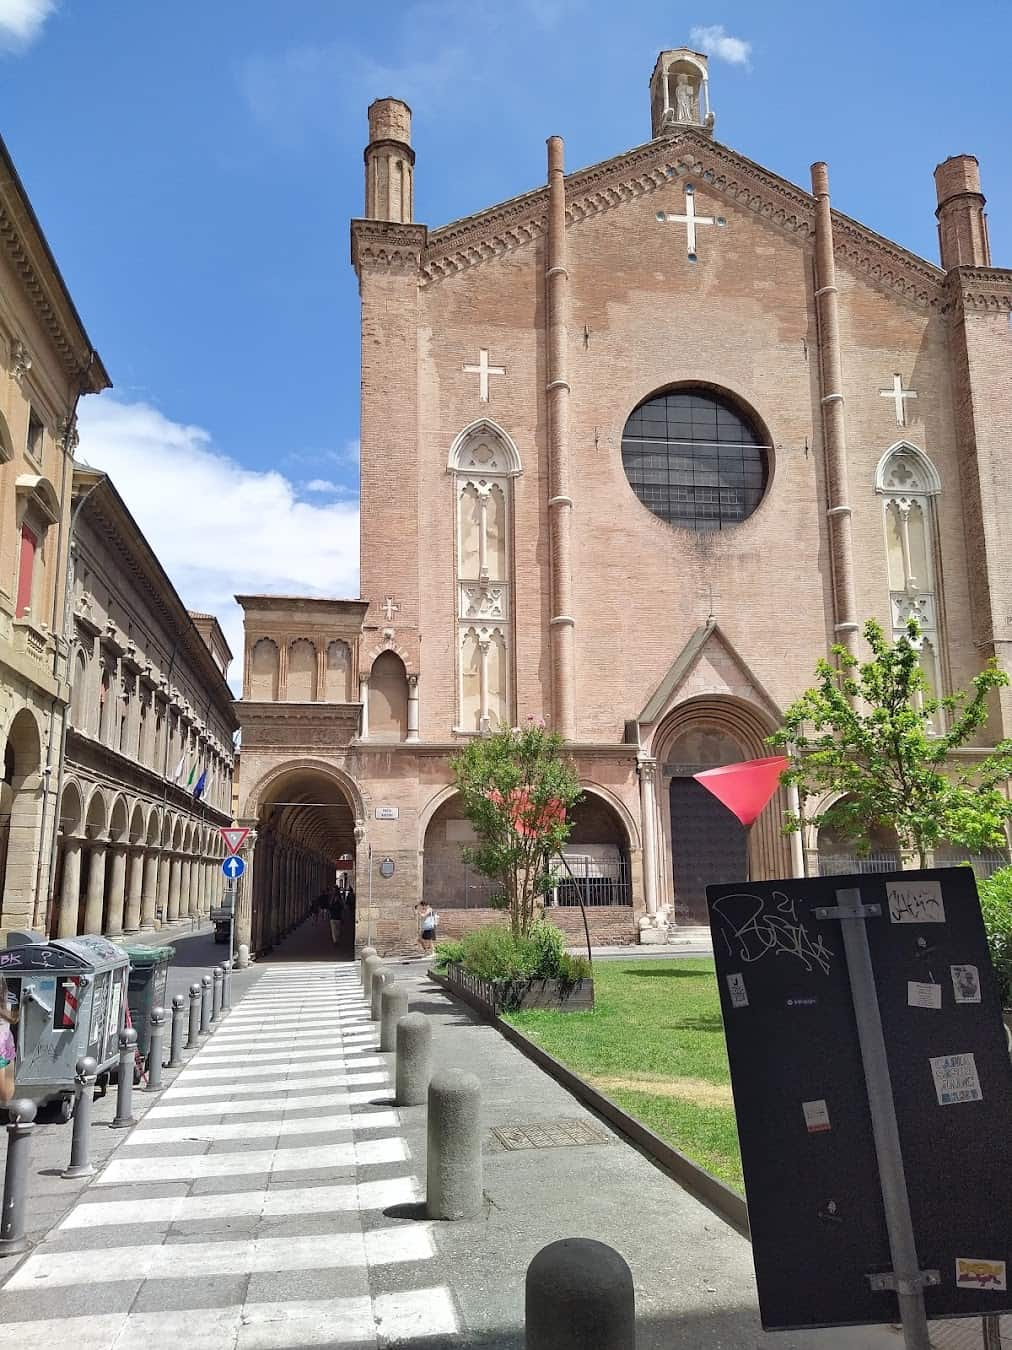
(427, 922)
(336, 917)
(8, 1045)
(322, 907)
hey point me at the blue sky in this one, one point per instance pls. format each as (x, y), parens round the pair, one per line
(195, 165)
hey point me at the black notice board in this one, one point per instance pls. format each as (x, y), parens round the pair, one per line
(811, 1179)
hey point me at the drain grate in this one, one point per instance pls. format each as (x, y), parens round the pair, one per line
(550, 1134)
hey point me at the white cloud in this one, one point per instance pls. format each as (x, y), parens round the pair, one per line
(714, 41)
(325, 486)
(218, 529)
(21, 21)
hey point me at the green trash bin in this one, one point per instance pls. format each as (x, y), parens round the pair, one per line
(149, 973)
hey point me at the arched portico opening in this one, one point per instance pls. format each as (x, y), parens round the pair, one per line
(597, 855)
(306, 816)
(704, 842)
(20, 814)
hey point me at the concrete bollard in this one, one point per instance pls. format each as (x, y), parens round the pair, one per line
(176, 1037)
(80, 1143)
(226, 986)
(242, 956)
(369, 968)
(191, 1039)
(453, 1176)
(393, 1006)
(19, 1140)
(125, 1080)
(380, 979)
(155, 1049)
(363, 957)
(205, 1004)
(579, 1293)
(414, 1060)
(218, 976)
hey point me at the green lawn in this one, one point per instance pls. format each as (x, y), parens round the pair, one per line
(655, 1044)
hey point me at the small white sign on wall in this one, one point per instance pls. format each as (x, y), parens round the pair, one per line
(388, 812)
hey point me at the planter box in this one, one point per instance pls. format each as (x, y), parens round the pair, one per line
(500, 996)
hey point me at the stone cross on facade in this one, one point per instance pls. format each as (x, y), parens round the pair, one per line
(899, 395)
(483, 370)
(690, 220)
(390, 608)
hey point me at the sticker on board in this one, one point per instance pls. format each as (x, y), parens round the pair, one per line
(965, 983)
(736, 988)
(921, 995)
(956, 1079)
(816, 1116)
(975, 1274)
(915, 902)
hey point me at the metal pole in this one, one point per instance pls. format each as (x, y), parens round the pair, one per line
(991, 1329)
(226, 986)
(218, 975)
(176, 1041)
(909, 1282)
(155, 1049)
(583, 911)
(19, 1138)
(191, 1039)
(125, 1080)
(80, 1163)
(205, 1004)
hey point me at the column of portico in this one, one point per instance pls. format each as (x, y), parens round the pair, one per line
(94, 900)
(648, 813)
(135, 885)
(117, 889)
(149, 887)
(164, 884)
(185, 886)
(175, 886)
(70, 888)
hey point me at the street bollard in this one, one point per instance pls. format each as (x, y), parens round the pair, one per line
(380, 979)
(218, 976)
(125, 1080)
(453, 1178)
(242, 956)
(579, 1293)
(176, 1036)
(155, 1049)
(205, 1004)
(80, 1143)
(414, 1060)
(393, 1006)
(369, 969)
(19, 1140)
(363, 957)
(194, 1027)
(226, 986)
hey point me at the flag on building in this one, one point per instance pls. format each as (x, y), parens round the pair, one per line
(179, 769)
(201, 783)
(192, 779)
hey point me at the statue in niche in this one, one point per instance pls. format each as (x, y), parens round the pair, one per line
(685, 99)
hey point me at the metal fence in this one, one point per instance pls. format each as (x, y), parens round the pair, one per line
(840, 864)
(598, 884)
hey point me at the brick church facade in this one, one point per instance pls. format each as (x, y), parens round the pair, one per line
(637, 447)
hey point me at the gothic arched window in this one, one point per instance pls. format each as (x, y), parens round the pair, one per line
(695, 459)
(338, 672)
(908, 483)
(264, 665)
(301, 685)
(483, 461)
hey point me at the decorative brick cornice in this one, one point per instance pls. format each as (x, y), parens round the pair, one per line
(638, 172)
(386, 244)
(979, 288)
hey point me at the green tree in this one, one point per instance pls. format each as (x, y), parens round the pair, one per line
(517, 790)
(871, 731)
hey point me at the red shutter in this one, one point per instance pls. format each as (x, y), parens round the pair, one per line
(26, 567)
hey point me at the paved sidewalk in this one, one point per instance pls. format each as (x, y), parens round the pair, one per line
(270, 1198)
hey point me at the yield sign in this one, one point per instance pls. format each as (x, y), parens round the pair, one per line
(235, 838)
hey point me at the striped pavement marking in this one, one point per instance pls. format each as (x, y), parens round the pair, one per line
(292, 1102)
(204, 1089)
(260, 1129)
(273, 1204)
(192, 1260)
(364, 1153)
(198, 1071)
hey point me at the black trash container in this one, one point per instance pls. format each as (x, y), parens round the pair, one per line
(149, 973)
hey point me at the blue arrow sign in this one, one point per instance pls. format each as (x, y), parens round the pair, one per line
(233, 867)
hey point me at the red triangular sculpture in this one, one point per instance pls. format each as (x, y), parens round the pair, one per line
(744, 788)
